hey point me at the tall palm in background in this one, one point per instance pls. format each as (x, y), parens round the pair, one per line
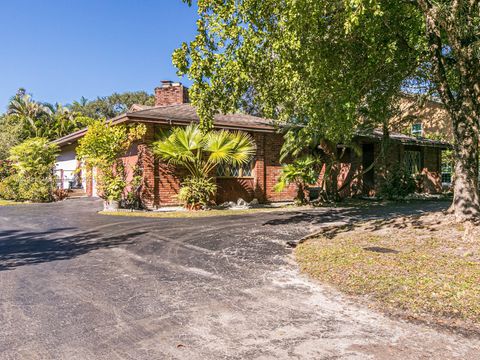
(31, 113)
(64, 121)
(45, 120)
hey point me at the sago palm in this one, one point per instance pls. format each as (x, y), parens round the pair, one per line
(200, 153)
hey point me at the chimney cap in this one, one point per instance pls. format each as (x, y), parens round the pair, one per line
(168, 83)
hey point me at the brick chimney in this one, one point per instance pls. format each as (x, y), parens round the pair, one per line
(171, 93)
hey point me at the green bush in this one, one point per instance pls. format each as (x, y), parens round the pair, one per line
(36, 190)
(31, 175)
(9, 188)
(6, 169)
(20, 188)
(102, 147)
(197, 192)
(398, 184)
(112, 185)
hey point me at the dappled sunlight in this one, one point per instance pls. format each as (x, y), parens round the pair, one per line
(421, 266)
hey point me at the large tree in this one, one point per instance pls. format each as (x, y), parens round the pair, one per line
(334, 66)
(112, 105)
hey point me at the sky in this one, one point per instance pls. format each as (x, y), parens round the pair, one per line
(60, 50)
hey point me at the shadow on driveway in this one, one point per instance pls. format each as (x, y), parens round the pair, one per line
(18, 248)
(351, 215)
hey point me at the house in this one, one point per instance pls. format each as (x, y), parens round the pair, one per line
(423, 117)
(257, 179)
(427, 118)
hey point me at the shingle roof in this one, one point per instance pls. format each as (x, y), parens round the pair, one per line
(404, 139)
(186, 113)
(180, 115)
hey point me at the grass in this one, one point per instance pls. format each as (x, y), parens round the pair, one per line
(424, 268)
(194, 214)
(7, 202)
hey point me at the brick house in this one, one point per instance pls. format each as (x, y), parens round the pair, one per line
(161, 181)
(426, 118)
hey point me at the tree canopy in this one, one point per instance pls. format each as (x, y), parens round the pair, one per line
(334, 66)
(111, 106)
(26, 118)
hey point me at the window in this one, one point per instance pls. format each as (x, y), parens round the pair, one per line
(413, 161)
(417, 129)
(245, 170)
(446, 173)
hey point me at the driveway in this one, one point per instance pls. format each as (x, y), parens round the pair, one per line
(77, 285)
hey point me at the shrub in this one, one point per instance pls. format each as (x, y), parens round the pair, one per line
(302, 172)
(34, 157)
(20, 188)
(196, 192)
(31, 174)
(111, 184)
(133, 198)
(9, 188)
(6, 169)
(36, 190)
(398, 184)
(101, 148)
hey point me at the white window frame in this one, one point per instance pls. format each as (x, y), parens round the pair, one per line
(240, 171)
(417, 132)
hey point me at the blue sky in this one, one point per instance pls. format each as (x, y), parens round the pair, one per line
(60, 50)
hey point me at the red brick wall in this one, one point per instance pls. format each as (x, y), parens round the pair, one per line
(171, 94)
(231, 189)
(89, 182)
(273, 169)
(130, 161)
(169, 180)
(431, 178)
(146, 161)
(162, 181)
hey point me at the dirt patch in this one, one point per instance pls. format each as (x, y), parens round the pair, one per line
(424, 268)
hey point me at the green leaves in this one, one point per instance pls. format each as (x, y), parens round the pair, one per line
(101, 147)
(112, 105)
(302, 170)
(305, 61)
(42, 119)
(34, 156)
(103, 143)
(200, 153)
(32, 179)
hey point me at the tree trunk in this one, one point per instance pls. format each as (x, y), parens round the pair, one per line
(300, 194)
(466, 204)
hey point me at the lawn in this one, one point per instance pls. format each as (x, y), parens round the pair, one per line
(7, 202)
(425, 268)
(196, 214)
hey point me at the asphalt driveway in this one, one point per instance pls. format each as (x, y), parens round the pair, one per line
(77, 285)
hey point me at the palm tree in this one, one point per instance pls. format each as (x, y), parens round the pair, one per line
(301, 172)
(29, 112)
(64, 121)
(200, 153)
